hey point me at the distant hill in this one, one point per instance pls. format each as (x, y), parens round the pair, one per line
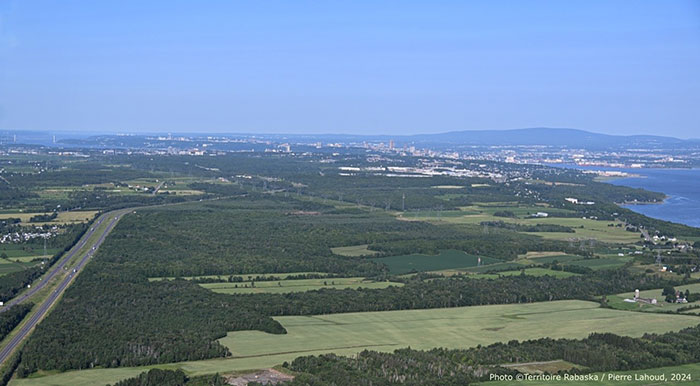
(571, 138)
(546, 137)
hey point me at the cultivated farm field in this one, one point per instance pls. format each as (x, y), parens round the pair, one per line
(450, 327)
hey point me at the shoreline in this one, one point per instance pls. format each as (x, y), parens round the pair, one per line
(647, 208)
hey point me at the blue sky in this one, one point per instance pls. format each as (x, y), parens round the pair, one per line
(394, 67)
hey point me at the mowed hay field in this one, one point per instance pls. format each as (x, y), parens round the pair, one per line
(449, 327)
(354, 250)
(70, 217)
(286, 286)
(528, 271)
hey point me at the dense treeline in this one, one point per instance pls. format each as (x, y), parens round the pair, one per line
(158, 377)
(245, 236)
(109, 201)
(528, 227)
(474, 239)
(12, 283)
(451, 292)
(598, 352)
(11, 196)
(10, 318)
(77, 174)
(43, 217)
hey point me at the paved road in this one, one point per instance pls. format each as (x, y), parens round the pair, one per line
(155, 191)
(44, 307)
(56, 268)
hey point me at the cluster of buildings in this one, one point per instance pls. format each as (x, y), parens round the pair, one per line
(639, 299)
(577, 202)
(18, 237)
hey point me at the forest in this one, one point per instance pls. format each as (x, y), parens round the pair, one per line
(180, 242)
(12, 317)
(158, 377)
(598, 352)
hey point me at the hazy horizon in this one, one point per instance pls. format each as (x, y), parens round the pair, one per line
(390, 68)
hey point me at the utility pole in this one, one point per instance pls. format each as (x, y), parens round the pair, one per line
(403, 203)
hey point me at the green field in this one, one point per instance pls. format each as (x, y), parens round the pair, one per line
(286, 286)
(553, 258)
(245, 277)
(451, 327)
(535, 271)
(8, 266)
(607, 380)
(346, 334)
(16, 251)
(447, 259)
(353, 251)
(497, 266)
(602, 263)
(70, 217)
(584, 229)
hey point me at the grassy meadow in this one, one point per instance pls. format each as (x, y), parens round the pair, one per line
(354, 251)
(300, 285)
(534, 271)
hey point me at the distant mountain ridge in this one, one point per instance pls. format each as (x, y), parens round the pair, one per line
(558, 137)
(547, 137)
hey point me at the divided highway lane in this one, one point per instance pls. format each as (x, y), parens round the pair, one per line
(44, 307)
(56, 269)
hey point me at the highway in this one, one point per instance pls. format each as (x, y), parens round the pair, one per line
(40, 311)
(55, 270)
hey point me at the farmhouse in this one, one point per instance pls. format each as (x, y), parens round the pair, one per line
(639, 299)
